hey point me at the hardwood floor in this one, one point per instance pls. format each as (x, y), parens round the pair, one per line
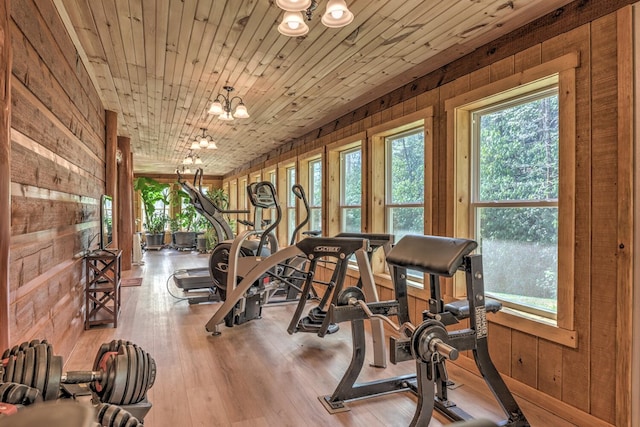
(255, 374)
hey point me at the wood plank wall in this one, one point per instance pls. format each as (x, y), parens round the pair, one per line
(589, 384)
(57, 177)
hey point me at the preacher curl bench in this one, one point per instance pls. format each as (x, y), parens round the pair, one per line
(430, 344)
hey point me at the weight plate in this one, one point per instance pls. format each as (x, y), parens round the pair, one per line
(4, 389)
(109, 415)
(348, 293)
(40, 371)
(121, 418)
(105, 387)
(141, 381)
(132, 374)
(152, 371)
(8, 370)
(17, 371)
(53, 380)
(101, 351)
(29, 366)
(100, 411)
(119, 374)
(46, 394)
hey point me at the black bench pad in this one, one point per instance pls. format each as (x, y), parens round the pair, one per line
(460, 308)
(436, 255)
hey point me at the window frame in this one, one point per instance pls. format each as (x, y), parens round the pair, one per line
(560, 71)
(476, 203)
(342, 206)
(376, 187)
(331, 164)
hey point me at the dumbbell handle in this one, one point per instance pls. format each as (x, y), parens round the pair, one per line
(80, 377)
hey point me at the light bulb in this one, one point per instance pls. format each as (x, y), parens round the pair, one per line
(216, 108)
(337, 14)
(293, 25)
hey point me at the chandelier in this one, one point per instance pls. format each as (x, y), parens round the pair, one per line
(222, 106)
(192, 159)
(336, 15)
(184, 170)
(204, 141)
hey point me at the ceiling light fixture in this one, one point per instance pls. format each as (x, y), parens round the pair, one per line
(184, 170)
(222, 106)
(336, 15)
(204, 141)
(192, 159)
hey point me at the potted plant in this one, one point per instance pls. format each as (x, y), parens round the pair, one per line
(185, 236)
(152, 192)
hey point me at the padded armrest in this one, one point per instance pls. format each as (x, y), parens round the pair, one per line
(436, 255)
(460, 308)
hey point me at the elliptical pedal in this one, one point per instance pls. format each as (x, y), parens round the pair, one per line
(317, 315)
(307, 324)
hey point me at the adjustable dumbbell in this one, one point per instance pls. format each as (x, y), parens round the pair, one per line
(122, 372)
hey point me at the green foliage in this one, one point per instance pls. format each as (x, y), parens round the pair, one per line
(519, 162)
(151, 192)
(157, 223)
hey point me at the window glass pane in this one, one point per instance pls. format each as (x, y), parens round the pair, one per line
(350, 218)
(291, 180)
(291, 223)
(315, 183)
(406, 168)
(520, 254)
(351, 178)
(516, 172)
(519, 152)
(315, 220)
(403, 221)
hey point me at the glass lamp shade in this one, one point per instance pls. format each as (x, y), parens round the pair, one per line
(337, 14)
(198, 161)
(226, 116)
(216, 108)
(212, 146)
(195, 145)
(187, 160)
(186, 170)
(293, 25)
(204, 143)
(241, 111)
(293, 5)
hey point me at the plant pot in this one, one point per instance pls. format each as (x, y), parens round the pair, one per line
(184, 239)
(156, 240)
(202, 243)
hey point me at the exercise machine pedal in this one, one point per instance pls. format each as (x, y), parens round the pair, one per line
(317, 315)
(306, 324)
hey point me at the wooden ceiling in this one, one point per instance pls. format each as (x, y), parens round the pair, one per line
(160, 63)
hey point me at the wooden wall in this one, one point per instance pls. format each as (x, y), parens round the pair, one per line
(589, 384)
(57, 177)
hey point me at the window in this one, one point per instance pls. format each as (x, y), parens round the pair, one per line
(351, 190)
(291, 203)
(404, 211)
(514, 199)
(514, 179)
(315, 195)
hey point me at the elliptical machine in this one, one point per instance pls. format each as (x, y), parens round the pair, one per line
(199, 278)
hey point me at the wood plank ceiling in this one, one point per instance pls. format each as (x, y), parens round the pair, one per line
(160, 63)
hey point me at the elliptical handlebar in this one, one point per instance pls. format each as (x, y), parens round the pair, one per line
(298, 191)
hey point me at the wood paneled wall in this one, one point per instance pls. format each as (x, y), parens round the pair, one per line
(57, 177)
(590, 384)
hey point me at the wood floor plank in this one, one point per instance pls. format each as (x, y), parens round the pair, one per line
(255, 374)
